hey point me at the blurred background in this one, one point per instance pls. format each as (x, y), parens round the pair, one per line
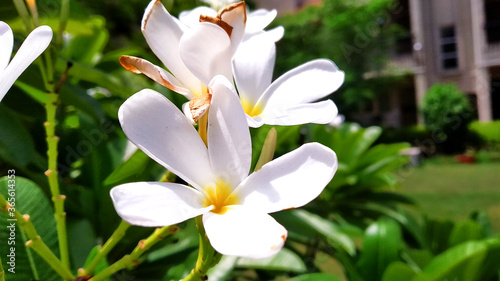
(418, 186)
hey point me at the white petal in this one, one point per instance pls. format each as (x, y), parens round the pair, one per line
(163, 34)
(6, 44)
(192, 17)
(205, 50)
(259, 19)
(187, 111)
(236, 16)
(306, 83)
(289, 181)
(161, 130)
(36, 42)
(319, 113)
(255, 122)
(157, 74)
(229, 143)
(253, 66)
(156, 204)
(243, 232)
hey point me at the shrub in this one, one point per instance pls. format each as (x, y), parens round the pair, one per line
(447, 112)
(487, 131)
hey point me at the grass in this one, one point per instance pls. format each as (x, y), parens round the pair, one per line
(445, 189)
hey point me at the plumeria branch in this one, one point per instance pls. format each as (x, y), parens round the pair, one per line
(131, 260)
(52, 175)
(36, 242)
(104, 250)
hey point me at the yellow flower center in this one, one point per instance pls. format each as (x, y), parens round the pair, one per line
(220, 197)
(250, 109)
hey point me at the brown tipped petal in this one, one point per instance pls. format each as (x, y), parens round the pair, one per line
(235, 16)
(157, 74)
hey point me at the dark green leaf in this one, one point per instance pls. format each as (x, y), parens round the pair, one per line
(285, 260)
(28, 199)
(380, 248)
(398, 271)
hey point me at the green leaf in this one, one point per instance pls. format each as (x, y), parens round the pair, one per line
(133, 167)
(316, 277)
(465, 231)
(310, 225)
(33, 92)
(103, 264)
(28, 199)
(16, 145)
(460, 263)
(78, 97)
(284, 260)
(222, 271)
(83, 239)
(398, 271)
(380, 248)
(182, 270)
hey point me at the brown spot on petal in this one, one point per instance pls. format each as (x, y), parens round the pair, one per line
(289, 208)
(283, 237)
(217, 21)
(199, 105)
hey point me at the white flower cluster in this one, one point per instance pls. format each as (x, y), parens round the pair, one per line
(209, 55)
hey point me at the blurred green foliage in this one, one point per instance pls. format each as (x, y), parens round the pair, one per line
(488, 131)
(357, 35)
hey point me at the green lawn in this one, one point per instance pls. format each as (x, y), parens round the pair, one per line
(446, 189)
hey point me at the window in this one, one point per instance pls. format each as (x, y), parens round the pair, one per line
(449, 54)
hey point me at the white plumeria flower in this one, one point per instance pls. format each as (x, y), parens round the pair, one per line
(234, 205)
(289, 99)
(36, 42)
(192, 55)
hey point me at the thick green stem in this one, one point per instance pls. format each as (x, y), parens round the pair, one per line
(207, 256)
(36, 242)
(52, 175)
(104, 250)
(131, 260)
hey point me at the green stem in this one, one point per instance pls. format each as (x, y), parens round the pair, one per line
(110, 244)
(24, 14)
(31, 261)
(52, 175)
(36, 242)
(131, 260)
(207, 256)
(63, 21)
